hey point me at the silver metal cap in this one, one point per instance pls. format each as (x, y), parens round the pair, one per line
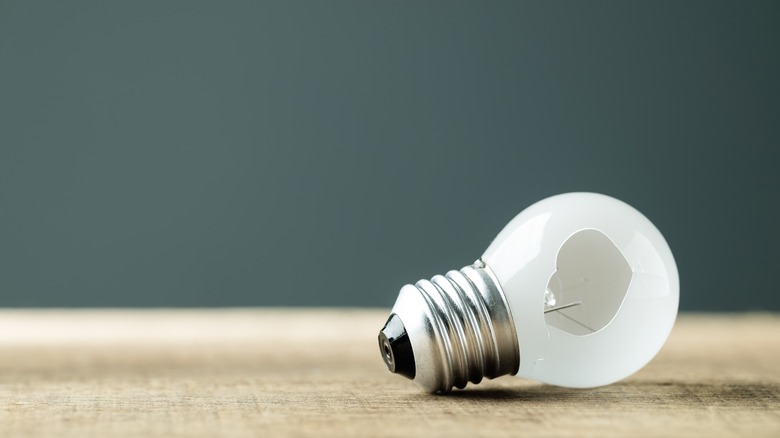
(458, 326)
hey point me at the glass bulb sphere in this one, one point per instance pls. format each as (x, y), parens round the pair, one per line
(578, 290)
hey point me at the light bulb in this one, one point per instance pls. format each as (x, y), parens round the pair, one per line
(578, 290)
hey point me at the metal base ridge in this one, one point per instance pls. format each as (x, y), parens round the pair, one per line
(450, 330)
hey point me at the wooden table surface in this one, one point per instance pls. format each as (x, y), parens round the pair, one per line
(279, 372)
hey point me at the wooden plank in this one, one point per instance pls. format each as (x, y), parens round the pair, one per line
(277, 372)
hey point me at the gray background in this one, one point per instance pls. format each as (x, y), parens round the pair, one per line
(325, 153)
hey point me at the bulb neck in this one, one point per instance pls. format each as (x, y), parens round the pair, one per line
(459, 327)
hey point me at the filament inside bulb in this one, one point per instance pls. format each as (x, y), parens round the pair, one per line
(588, 287)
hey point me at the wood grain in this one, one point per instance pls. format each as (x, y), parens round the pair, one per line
(276, 372)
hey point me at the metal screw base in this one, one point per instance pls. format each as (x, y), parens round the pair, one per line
(459, 326)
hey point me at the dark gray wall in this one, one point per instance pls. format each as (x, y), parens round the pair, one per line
(325, 153)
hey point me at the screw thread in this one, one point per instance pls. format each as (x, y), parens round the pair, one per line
(475, 333)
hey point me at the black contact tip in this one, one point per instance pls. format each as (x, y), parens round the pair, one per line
(396, 348)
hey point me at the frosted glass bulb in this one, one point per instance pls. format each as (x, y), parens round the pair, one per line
(578, 290)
